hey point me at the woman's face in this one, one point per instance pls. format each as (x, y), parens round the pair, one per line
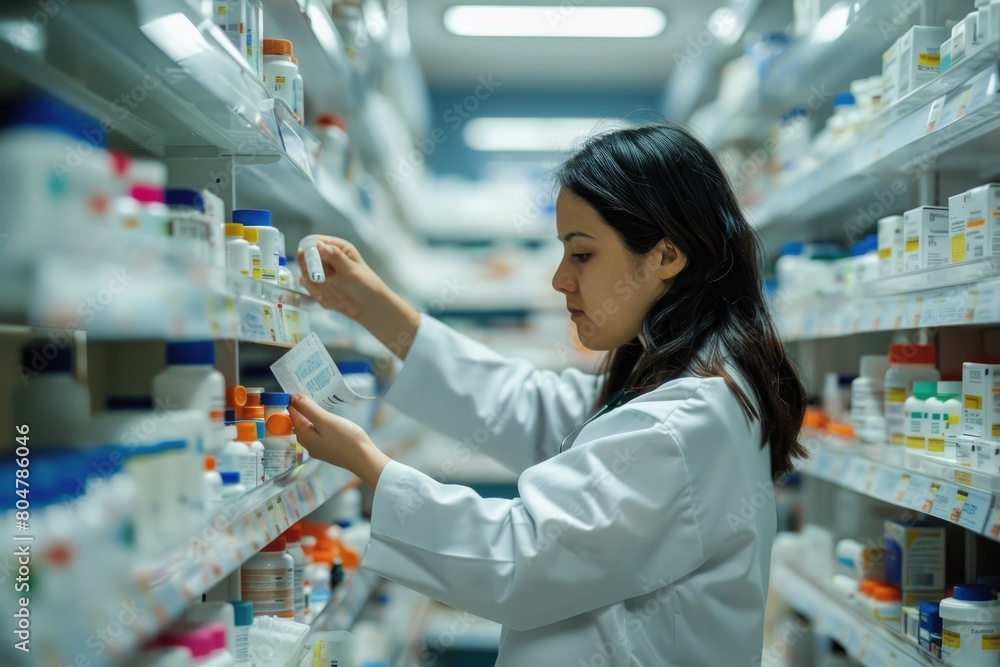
(608, 289)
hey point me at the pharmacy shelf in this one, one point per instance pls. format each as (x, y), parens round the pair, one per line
(943, 490)
(955, 295)
(830, 66)
(347, 602)
(868, 641)
(161, 587)
(320, 52)
(813, 69)
(921, 138)
(180, 90)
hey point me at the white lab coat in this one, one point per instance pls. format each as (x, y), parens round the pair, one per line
(646, 543)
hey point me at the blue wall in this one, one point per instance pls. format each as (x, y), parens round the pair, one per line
(451, 155)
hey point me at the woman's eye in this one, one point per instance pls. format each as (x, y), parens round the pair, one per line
(581, 257)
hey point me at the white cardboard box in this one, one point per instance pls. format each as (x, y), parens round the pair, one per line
(926, 241)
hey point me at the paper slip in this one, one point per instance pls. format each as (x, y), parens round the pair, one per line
(308, 369)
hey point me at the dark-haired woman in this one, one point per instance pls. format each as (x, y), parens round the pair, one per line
(643, 530)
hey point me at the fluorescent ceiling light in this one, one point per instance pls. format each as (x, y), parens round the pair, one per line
(833, 24)
(546, 135)
(553, 21)
(724, 23)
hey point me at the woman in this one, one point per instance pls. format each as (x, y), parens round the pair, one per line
(638, 539)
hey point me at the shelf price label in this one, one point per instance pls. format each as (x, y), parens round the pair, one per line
(917, 493)
(987, 309)
(887, 482)
(944, 309)
(934, 115)
(993, 530)
(976, 511)
(944, 500)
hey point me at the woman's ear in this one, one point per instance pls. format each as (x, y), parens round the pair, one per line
(669, 260)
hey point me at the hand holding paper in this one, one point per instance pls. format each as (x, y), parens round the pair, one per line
(308, 369)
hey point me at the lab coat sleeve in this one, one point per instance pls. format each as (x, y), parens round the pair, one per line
(504, 407)
(610, 519)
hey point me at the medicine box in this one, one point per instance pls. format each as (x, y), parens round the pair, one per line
(914, 558)
(988, 458)
(982, 221)
(956, 227)
(919, 57)
(890, 75)
(926, 241)
(981, 400)
(890, 246)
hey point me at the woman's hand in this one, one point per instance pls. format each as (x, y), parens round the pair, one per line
(352, 288)
(336, 440)
(350, 284)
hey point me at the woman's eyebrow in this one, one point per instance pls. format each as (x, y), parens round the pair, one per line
(573, 235)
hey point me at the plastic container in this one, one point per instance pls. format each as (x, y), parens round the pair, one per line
(300, 99)
(242, 620)
(267, 239)
(868, 399)
(887, 606)
(238, 260)
(252, 235)
(230, 16)
(279, 445)
(191, 381)
(232, 489)
(228, 458)
(939, 418)
(280, 73)
(275, 402)
(206, 642)
(293, 542)
(47, 382)
(285, 277)
(907, 364)
(331, 130)
(917, 418)
(212, 481)
(47, 147)
(970, 621)
(268, 581)
(255, 35)
(221, 613)
(188, 227)
(252, 462)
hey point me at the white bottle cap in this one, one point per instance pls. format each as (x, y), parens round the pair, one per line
(874, 366)
(954, 388)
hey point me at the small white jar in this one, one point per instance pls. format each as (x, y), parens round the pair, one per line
(970, 622)
(280, 73)
(237, 251)
(268, 580)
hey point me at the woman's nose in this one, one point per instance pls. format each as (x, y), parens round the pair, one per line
(561, 280)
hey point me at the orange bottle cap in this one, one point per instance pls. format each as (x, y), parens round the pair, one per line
(814, 418)
(887, 594)
(277, 47)
(252, 412)
(246, 431)
(912, 354)
(209, 463)
(841, 429)
(868, 586)
(278, 424)
(253, 395)
(236, 396)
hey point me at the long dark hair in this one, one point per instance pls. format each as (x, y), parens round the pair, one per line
(657, 181)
